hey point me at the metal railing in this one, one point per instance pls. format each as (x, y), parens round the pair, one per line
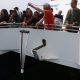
(52, 27)
(10, 25)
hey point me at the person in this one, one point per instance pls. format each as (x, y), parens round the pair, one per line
(28, 15)
(59, 19)
(18, 12)
(14, 18)
(48, 17)
(35, 18)
(72, 17)
(4, 17)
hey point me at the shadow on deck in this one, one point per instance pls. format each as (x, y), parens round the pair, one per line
(34, 69)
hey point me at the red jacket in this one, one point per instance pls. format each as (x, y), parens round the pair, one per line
(48, 18)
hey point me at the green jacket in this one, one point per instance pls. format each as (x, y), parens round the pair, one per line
(73, 16)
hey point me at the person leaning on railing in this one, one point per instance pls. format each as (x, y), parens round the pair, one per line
(14, 18)
(73, 18)
(48, 17)
(4, 16)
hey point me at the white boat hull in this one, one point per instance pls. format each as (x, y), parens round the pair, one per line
(61, 47)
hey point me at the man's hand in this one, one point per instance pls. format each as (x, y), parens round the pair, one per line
(70, 25)
(24, 24)
(37, 24)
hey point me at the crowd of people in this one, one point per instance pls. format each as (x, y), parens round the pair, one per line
(43, 17)
(15, 16)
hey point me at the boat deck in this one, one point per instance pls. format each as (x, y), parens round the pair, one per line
(34, 69)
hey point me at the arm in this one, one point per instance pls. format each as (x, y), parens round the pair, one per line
(76, 19)
(77, 22)
(40, 22)
(68, 17)
(36, 8)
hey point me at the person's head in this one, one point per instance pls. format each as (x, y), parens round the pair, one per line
(60, 12)
(14, 13)
(29, 12)
(24, 13)
(46, 6)
(16, 8)
(4, 12)
(52, 9)
(36, 14)
(27, 9)
(10, 11)
(74, 4)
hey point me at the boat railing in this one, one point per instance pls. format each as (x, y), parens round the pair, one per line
(52, 27)
(10, 25)
(58, 28)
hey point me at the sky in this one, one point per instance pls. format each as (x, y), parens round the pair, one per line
(22, 4)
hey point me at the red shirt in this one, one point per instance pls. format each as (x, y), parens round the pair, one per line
(48, 18)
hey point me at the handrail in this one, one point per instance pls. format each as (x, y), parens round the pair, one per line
(57, 27)
(53, 26)
(2, 23)
(10, 25)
